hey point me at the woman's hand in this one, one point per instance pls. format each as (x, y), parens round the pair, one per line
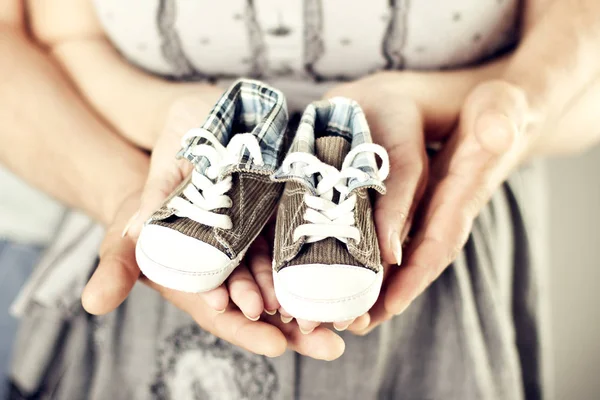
(404, 111)
(400, 107)
(502, 123)
(118, 272)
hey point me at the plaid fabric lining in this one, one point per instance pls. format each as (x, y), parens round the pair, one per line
(247, 106)
(338, 116)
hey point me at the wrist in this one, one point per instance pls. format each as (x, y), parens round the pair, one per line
(126, 183)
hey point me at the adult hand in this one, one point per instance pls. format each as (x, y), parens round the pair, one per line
(502, 123)
(404, 111)
(118, 271)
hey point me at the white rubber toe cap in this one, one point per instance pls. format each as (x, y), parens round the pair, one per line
(180, 262)
(327, 293)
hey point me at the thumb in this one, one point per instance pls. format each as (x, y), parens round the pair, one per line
(399, 129)
(166, 173)
(117, 270)
(463, 176)
(495, 116)
(477, 158)
(492, 126)
(158, 187)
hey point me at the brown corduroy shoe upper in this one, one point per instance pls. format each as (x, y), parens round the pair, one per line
(253, 196)
(331, 150)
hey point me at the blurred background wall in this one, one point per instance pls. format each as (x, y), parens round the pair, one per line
(574, 194)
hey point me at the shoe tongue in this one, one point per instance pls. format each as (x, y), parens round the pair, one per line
(332, 150)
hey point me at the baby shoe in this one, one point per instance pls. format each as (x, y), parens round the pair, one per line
(203, 229)
(327, 265)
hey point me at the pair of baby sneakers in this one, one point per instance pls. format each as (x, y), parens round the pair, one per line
(326, 263)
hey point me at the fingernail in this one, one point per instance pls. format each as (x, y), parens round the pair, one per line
(306, 332)
(270, 312)
(129, 222)
(250, 318)
(286, 320)
(221, 311)
(396, 246)
(283, 312)
(341, 328)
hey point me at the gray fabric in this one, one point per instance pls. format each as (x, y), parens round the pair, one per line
(16, 264)
(477, 333)
(314, 40)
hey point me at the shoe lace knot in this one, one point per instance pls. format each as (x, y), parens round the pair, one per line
(207, 189)
(325, 216)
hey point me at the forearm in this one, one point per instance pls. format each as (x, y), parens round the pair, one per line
(135, 103)
(132, 101)
(51, 139)
(558, 67)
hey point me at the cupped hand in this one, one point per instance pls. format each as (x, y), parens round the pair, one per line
(405, 111)
(478, 155)
(250, 286)
(504, 116)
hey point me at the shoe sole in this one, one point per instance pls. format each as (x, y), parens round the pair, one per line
(184, 281)
(330, 310)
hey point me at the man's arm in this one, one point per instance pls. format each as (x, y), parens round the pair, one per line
(48, 135)
(558, 67)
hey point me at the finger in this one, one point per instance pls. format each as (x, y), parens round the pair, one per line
(361, 323)
(232, 326)
(368, 329)
(305, 326)
(165, 174)
(259, 259)
(244, 292)
(113, 279)
(399, 128)
(163, 178)
(285, 317)
(320, 344)
(376, 316)
(117, 271)
(217, 299)
(464, 175)
(343, 325)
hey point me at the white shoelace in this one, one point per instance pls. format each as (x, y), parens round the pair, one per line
(326, 218)
(206, 193)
